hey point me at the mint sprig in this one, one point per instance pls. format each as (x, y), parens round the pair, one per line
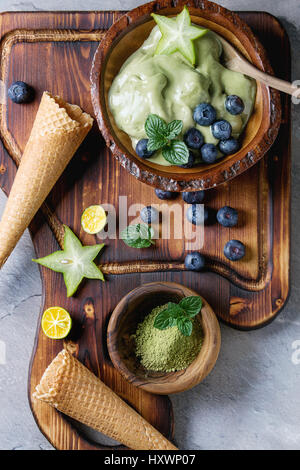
(179, 315)
(138, 236)
(162, 136)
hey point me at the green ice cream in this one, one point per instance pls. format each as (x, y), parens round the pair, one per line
(169, 86)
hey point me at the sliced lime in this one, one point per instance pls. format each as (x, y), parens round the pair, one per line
(93, 219)
(56, 323)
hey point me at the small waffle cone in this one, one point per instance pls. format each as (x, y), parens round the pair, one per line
(75, 391)
(58, 130)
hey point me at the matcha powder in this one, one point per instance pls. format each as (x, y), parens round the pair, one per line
(166, 350)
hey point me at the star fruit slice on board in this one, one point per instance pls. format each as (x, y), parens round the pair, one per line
(178, 34)
(75, 261)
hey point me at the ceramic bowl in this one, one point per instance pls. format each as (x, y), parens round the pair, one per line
(130, 311)
(124, 37)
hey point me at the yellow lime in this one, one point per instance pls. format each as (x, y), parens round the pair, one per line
(56, 322)
(93, 219)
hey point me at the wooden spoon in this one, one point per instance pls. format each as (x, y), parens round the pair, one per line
(236, 62)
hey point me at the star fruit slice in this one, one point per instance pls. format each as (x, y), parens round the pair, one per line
(75, 261)
(178, 34)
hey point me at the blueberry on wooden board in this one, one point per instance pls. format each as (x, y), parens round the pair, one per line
(234, 250)
(196, 215)
(20, 92)
(194, 261)
(227, 216)
(193, 197)
(165, 194)
(149, 215)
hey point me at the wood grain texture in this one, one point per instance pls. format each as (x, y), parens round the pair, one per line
(262, 196)
(254, 274)
(42, 35)
(241, 279)
(131, 311)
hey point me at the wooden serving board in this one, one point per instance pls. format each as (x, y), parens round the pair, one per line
(54, 51)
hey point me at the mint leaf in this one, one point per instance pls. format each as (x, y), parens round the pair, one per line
(138, 236)
(176, 153)
(168, 317)
(161, 136)
(179, 315)
(155, 127)
(175, 310)
(164, 320)
(156, 144)
(185, 326)
(191, 305)
(174, 128)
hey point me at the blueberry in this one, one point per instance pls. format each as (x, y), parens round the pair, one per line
(190, 162)
(234, 250)
(204, 114)
(193, 138)
(193, 197)
(229, 146)
(221, 129)
(20, 92)
(149, 215)
(194, 261)
(227, 216)
(209, 153)
(141, 149)
(234, 104)
(209, 216)
(165, 194)
(196, 215)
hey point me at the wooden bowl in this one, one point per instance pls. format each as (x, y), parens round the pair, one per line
(130, 311)
(124, 37)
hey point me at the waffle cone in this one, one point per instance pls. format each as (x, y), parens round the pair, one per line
(58, 130)
(75, 391)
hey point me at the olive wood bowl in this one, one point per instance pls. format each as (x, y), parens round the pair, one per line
(125, 36)
(130, 311)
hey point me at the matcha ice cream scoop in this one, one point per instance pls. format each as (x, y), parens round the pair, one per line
(171, 87)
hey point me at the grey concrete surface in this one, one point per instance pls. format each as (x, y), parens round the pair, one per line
(251, 400)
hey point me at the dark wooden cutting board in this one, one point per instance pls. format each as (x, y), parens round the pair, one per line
(54, 51)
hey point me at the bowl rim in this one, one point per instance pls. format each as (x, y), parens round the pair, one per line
(186, 378)
(227, 168)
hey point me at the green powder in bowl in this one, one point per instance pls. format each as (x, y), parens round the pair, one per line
(166, 350)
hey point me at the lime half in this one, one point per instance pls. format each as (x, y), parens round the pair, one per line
(56, 322)
(93, 219)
